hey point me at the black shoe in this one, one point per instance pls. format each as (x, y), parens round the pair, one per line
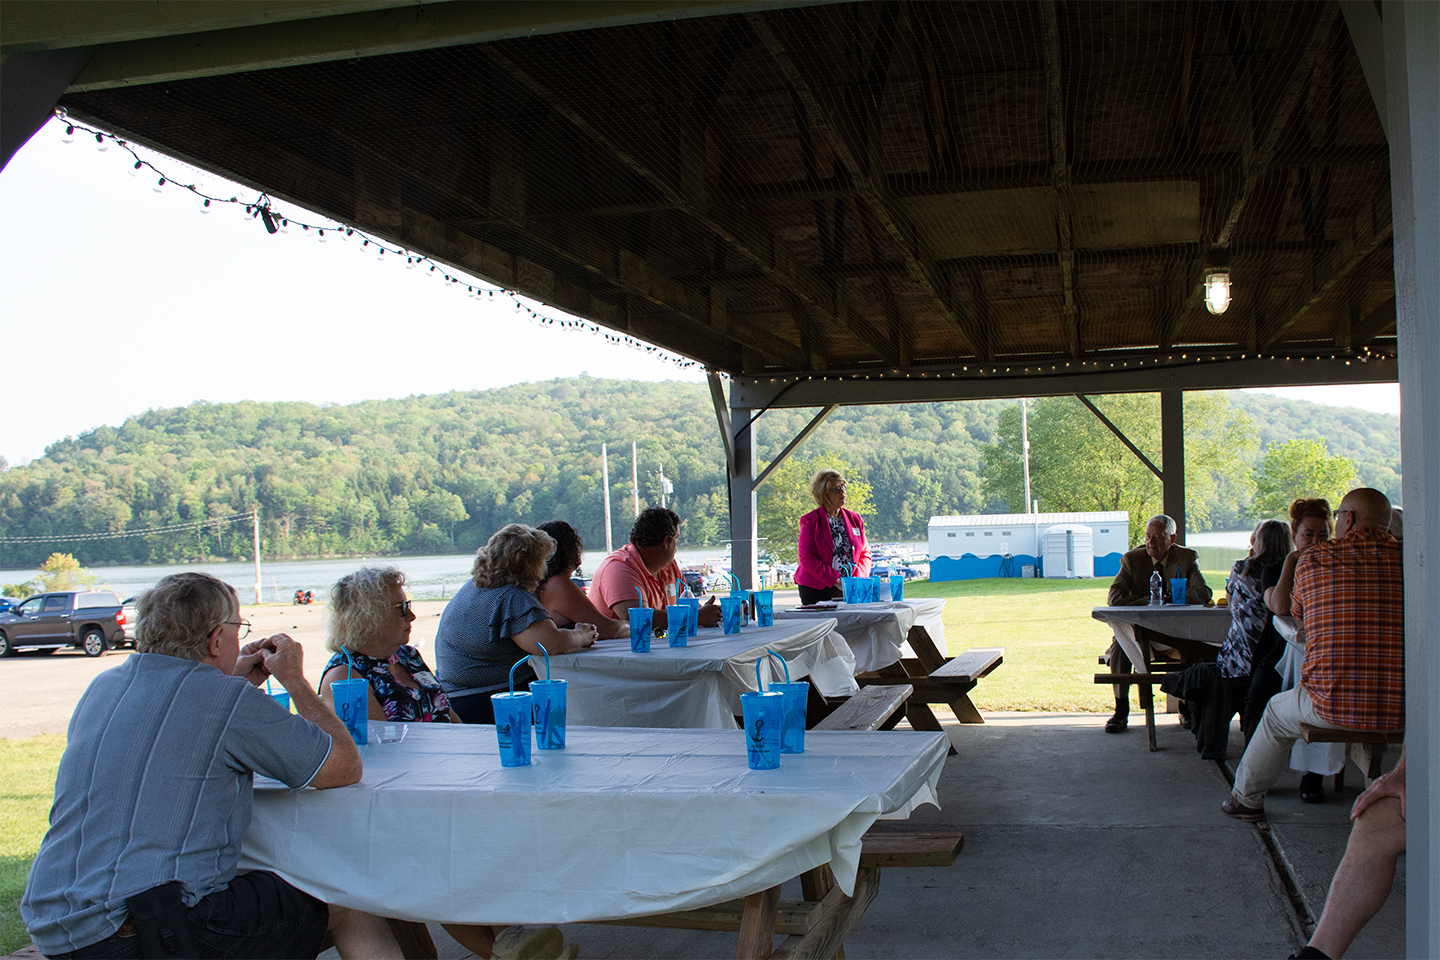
(1312, 788)
(1118, 723)
(1308, 953)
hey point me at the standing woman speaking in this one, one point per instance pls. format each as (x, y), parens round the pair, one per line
(829, 538)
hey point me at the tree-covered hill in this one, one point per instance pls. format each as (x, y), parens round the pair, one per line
(435, 473)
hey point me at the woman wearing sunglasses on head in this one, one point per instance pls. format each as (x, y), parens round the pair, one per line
(370, 621)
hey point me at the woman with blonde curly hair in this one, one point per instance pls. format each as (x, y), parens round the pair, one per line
(495, 620)
(370, 636)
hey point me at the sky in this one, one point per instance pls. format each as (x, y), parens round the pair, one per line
(117, 299)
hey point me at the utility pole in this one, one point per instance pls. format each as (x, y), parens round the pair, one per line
(1025, 450)
(635, 478)
(605, 480)
(255, 516)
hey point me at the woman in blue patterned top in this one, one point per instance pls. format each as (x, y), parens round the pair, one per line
(370, 620)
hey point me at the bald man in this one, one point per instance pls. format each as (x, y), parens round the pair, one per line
(1349, 595)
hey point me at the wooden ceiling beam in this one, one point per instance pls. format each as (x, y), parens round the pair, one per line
(686, 189)
(1288, 73)
(855, 150)
(1377, 321)
(1371, 227)
(1060, 172)
(1262, 128)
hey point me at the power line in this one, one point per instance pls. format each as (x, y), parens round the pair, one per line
(125, 534)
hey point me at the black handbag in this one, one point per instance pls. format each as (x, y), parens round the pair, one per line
(162, 923)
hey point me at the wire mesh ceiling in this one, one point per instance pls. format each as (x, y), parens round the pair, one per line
(857, 186)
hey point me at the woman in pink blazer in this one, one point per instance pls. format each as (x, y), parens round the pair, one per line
(829, 537)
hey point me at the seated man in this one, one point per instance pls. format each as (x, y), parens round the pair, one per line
(1349, 595)
(1363, 880)
(646, 563)
(1132, 589)
(154, 791)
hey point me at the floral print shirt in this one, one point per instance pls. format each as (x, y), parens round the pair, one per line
(428, 704)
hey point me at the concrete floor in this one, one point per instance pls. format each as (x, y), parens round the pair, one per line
(1079, 844)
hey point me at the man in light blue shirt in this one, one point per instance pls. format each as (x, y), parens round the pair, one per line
(153, 796)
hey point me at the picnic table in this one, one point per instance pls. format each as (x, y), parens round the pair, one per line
(622, 823)
(1189, 621)
(878, 633)
(903, 642)
(698, 685)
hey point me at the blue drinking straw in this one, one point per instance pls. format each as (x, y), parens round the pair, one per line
(680, 588)
(640, 595)
(547, 660)
(350, 664)
(524, 659)
(782, 662)
(758, 682)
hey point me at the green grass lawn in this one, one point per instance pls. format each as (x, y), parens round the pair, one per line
(27, 770)
(1050, 639)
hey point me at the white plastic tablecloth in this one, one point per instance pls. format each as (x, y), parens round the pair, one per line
(698, 685)
(622, 822)
(876, 632)
(1187, 621)
(1326, 758)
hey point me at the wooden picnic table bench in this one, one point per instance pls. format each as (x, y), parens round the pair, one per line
(1361, 739)
(817, 925)
(937, 678)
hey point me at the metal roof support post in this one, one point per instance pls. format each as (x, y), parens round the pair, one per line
(1412, 75)
(743, 532)
(1172, 456)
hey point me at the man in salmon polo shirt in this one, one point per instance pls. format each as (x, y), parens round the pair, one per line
(647, 564)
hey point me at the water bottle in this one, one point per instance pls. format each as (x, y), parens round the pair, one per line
(1157, 584)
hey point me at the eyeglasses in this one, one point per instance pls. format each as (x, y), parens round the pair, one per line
(243, 625)
(403, 606)
(1338, 512)
(836, 487)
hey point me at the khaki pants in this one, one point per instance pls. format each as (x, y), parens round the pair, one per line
(1269, 751)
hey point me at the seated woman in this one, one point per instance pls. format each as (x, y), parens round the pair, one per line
(494, 621)
(829, 537)
(1207, 687)
(370, 620)
(566, 602)
(1252, 641)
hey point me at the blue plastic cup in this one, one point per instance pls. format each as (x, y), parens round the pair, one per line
(879, 589)
(792, 724)
(897, 587)
(283, 698)
(1177, 590)
(692, 605)
(764, 715)
(352, 706)
(847, 586)
(730, 612)
(547, 712)
(512, 727)
(765, 608)
(677, 615)
(642, 628)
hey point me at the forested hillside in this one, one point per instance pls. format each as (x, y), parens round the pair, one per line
(434, 473)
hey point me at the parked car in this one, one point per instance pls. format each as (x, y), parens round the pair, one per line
(89, 620)
(132, 616)
(8, 603)
(695, 580)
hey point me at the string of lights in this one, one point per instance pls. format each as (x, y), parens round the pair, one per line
(143, 532)
(263, 208)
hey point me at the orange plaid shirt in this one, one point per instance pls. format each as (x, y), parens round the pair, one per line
(1350, 595)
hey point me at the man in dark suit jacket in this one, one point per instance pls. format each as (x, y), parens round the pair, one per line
(1132, 589)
